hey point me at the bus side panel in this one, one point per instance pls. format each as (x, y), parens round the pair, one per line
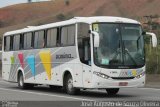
(49, 65)
(7, 65)
(65, 59)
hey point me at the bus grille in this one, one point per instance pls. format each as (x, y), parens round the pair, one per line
(122, 78)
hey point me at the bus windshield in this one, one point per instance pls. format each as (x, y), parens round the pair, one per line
(121, 45)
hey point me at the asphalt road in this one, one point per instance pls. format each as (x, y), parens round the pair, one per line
(10, 92)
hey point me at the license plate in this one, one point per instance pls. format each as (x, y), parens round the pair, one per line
(123, 83)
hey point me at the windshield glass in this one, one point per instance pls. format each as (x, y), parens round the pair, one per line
(121, 45)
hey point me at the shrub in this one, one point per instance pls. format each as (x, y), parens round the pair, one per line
(61, 17)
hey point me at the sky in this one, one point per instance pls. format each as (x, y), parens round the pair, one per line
(4, 3)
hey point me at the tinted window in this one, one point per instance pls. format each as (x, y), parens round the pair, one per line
(39, 40)
(51, 37)
(71, 35)
(68, 35)
(84, 43)
(27, 40)
(16, 42)
(64, 35)
(7, 43)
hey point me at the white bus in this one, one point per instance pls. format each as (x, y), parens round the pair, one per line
(81, 53)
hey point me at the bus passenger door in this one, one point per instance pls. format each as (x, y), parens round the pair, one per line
(84, 48)
(87, 76)
(86, 60)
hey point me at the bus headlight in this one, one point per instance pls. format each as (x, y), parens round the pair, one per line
(101, 75)
(140, 75)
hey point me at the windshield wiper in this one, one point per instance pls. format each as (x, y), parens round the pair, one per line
(118, 51)
(116, 54)
(126, 51)
(114, 59)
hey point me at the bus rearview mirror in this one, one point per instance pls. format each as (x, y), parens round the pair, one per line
(96, 39)
(154, 38)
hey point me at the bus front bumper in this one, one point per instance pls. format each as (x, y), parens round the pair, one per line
(100, 83)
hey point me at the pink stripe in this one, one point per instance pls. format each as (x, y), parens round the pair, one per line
(20, 56)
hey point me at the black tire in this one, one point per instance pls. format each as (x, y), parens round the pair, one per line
(68, 86)
(21, 83)
(112, 91)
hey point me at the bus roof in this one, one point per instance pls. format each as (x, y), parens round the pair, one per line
(88, 20)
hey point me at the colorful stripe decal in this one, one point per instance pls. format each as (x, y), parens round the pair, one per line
(134, 72)
(31, 63)
(20, 56)
(45, 57)
(12, 60)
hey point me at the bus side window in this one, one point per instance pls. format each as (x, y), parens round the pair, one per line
(51, 37)
(7, 42)
(68, 35)
(64, 36)
(36, 40)
(71, 35)
(39, 40)
(84, 50)
(27, 40)
(16, 42)
(87, 50)
(84, 43)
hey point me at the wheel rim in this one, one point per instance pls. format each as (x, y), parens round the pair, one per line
(70, 84)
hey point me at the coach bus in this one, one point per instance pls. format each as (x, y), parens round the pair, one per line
(100, 52)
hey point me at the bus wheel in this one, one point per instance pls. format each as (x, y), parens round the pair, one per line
(112, 91)
(21, 83)
(69, 85)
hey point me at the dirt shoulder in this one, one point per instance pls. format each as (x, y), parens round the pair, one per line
(153, 81)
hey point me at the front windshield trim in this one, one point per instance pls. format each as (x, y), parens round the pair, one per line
(120, 66)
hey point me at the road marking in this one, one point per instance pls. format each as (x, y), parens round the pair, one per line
(29, 92)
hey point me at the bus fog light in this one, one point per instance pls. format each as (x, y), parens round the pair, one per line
(101, 75)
